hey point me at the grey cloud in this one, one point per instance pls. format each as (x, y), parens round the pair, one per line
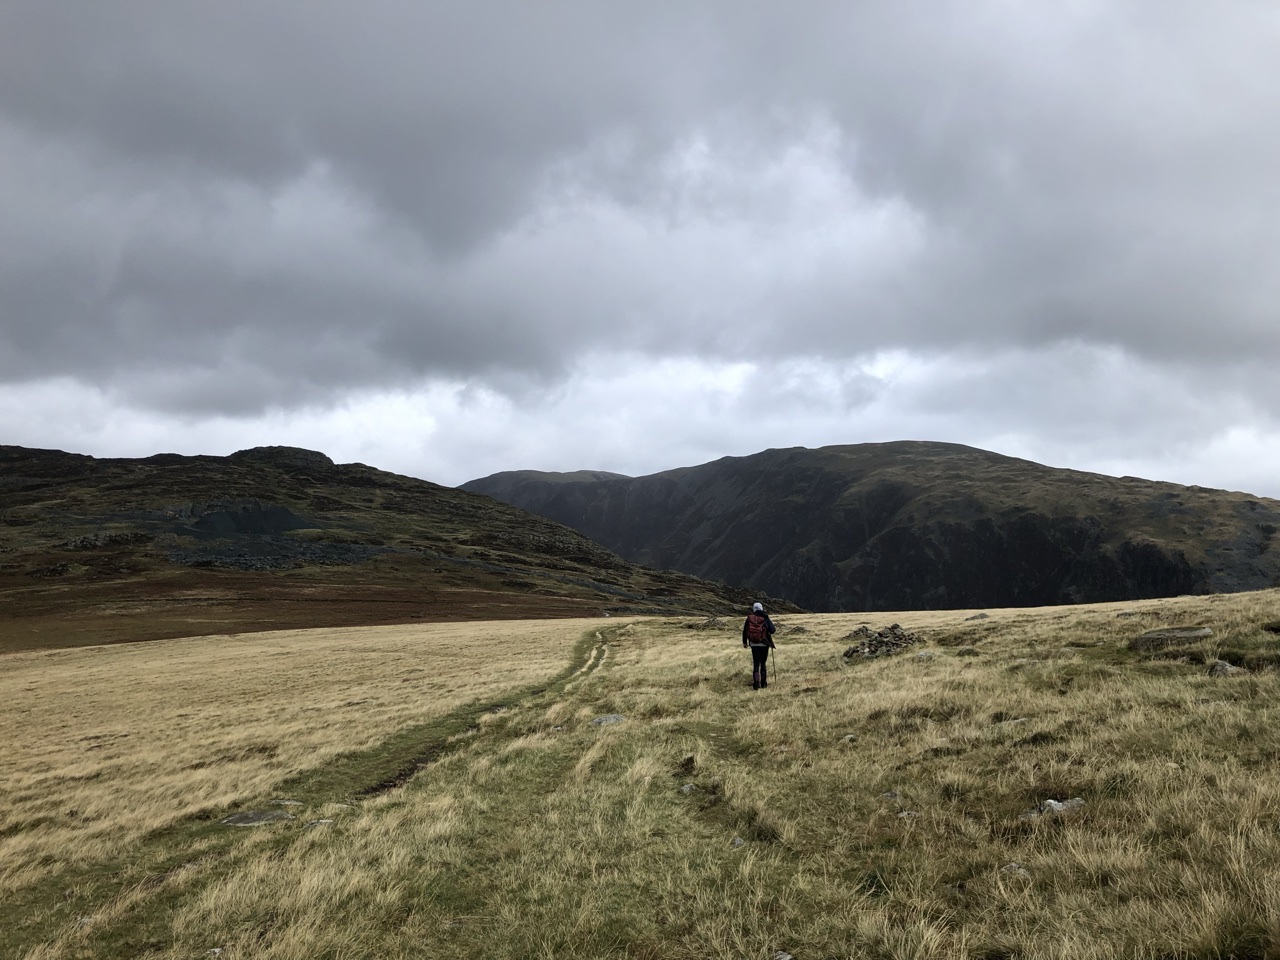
(278, 200)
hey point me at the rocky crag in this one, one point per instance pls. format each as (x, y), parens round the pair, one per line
(912, 525)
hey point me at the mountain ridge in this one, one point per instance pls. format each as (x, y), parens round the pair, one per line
(917, 524)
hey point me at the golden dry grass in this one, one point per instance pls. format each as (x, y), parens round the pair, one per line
(107, 744)
(866, 809)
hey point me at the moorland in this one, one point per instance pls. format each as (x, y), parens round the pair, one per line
(1053, 782)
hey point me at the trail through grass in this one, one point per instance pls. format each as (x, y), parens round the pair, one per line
(864, 809)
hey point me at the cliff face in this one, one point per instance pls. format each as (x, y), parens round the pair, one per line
(916, 525)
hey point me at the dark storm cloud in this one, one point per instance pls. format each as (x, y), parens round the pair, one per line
(225, 206)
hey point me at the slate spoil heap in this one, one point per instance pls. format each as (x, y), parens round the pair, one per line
(878, 643)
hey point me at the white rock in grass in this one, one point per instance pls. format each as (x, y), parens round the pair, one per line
(738, 842)
(608, 719)
(255, 818)
(1016, 870)
(783, 955)
(1220, 668)
(1053, 808)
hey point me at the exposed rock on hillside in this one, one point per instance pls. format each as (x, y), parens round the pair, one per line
(910, 525)
(93, 550)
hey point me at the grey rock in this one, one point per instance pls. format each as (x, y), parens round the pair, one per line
(317, 823)
(287, 803)
(849, 738)
(1166, 637)
(870, 643)
(1220, 668)
(891, 795)
(783, 955)
(978, 616)
(738, 842)
(608, 719)
(1053, 808)
(925, 655)
(1016, 869)
(255, 818)
(908, 815)
(689, 788)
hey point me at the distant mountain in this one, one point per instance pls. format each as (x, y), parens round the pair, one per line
(912, 525)
(95, 551)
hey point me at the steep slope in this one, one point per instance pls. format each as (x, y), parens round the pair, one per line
(914, 525)
(99, 550)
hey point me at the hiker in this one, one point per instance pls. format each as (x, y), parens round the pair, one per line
(757, 633)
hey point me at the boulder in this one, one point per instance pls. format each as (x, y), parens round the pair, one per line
(1220, 668)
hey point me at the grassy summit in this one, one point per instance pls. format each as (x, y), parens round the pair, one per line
(894, 807)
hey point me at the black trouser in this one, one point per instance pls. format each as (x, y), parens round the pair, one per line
(759, 665)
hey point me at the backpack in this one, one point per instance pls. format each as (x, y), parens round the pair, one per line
(756, 630)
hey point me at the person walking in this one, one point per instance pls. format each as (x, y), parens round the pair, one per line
(757, 633)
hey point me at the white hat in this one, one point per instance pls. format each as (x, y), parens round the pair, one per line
(757, 608)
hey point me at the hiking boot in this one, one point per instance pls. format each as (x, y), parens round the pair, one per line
(764, 683)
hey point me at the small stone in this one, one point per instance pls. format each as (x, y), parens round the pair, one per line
(849, 738)
(1016, 870)
(287, 803)
(783, 955)
(1014, 722)
(977, 616)
(891, 795)
(1053, 808)
(738, 842)
(1220, 668)
(908, 815)
(255, 818)
(608, 719)
(689, 788)
(557, 728)
(925, 655)
(317, 823)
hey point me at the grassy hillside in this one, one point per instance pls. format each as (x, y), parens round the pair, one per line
(892, 807)
(95, 551)
(917, 526)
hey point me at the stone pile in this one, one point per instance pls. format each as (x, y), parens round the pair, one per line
(878, 643)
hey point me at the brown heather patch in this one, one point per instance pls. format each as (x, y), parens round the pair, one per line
(877, 803)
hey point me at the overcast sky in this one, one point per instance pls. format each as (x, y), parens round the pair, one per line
(452, 238)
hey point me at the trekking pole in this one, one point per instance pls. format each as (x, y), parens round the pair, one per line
(773, 655)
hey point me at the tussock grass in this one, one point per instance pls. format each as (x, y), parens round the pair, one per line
(864, 809)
